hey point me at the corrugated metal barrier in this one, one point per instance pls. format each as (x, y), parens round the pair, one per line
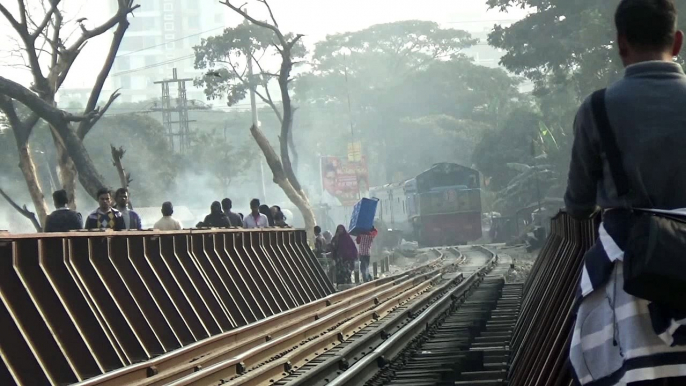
(78, 305)
(542, 335)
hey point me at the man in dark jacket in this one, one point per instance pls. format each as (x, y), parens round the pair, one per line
(234, 219)
(131, 219)
(216, 218)
(62, 219)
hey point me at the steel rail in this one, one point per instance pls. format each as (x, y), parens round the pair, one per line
(370, 364)
(333, 327)
(183, 361)
(357, 348)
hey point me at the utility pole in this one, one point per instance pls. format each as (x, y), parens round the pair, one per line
(255, 121)
(538, 183)
(352, 131)
(181, 106)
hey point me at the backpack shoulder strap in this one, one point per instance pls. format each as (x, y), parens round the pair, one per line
(608, 142)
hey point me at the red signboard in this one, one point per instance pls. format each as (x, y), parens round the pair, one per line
(345, 180)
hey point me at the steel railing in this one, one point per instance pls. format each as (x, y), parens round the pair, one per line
(77, 305)
(542, 335)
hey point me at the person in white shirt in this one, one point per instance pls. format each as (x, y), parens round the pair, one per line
(167, 222)
(255, 219)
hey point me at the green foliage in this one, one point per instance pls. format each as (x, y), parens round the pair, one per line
(215, 155)
(377, 57)
(148, 157)
(411, 90)
(510, 144)
(224, 56)
(563, 42)
(435, 139)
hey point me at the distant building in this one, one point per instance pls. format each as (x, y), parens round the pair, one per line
(160, 37)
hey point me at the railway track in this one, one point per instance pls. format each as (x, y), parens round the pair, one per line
(319, 352)
(360, 358)
(270, 349)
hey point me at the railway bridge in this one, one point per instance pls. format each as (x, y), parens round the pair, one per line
(254, 307)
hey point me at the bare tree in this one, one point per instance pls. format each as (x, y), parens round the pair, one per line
(46, 36)
(281, 168)
(124, 176)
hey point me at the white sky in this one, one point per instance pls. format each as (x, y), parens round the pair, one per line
(314, 18)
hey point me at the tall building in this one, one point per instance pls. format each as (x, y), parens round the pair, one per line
(161, 37)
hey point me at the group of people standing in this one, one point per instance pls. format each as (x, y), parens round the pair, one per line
(118, 215)
(345, 252)
(261, 216)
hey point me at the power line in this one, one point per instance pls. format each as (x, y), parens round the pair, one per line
(153, 65)
(170, 41)
(482, 21)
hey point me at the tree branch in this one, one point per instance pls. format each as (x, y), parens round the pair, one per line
(15, 24)
(117, 155)
(86, 126)
(46, 19)
(55, 42)
(48, 112)
(271, 14)
(23, 211)
(107, 66)
(40, 83)
(262, 24)
(22, 12)
(70, 54)
(295, 40)
(7, 107)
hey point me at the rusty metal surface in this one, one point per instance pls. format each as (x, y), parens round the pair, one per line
(540, 344)
(77, 305)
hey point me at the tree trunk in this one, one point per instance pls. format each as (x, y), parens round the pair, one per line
(88, 175)
(28, 169)
(297, 197)
(68, 172)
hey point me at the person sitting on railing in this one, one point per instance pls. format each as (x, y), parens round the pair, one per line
(620, 338)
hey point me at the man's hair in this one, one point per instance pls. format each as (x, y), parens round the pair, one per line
(120, 191)
(647, 24)
(102, 191)
(167, 209)
(227, 204)
(317, 229)
(60, 197)
(254, 203)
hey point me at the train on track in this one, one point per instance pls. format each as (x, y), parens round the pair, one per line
(441, 206)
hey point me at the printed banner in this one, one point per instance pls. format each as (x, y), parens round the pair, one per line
(345, 180)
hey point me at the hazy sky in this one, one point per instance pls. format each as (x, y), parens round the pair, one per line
(314, 18)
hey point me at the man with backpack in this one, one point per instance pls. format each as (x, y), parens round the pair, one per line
(627, 161)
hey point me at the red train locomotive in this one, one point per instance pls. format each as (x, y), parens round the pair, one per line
(441, 206)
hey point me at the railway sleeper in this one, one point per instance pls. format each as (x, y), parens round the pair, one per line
(470, 346)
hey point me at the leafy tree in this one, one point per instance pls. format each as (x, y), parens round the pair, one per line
(510, 144)
(434, 139)
(562, 42)
(400, 77)
(289, 49)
